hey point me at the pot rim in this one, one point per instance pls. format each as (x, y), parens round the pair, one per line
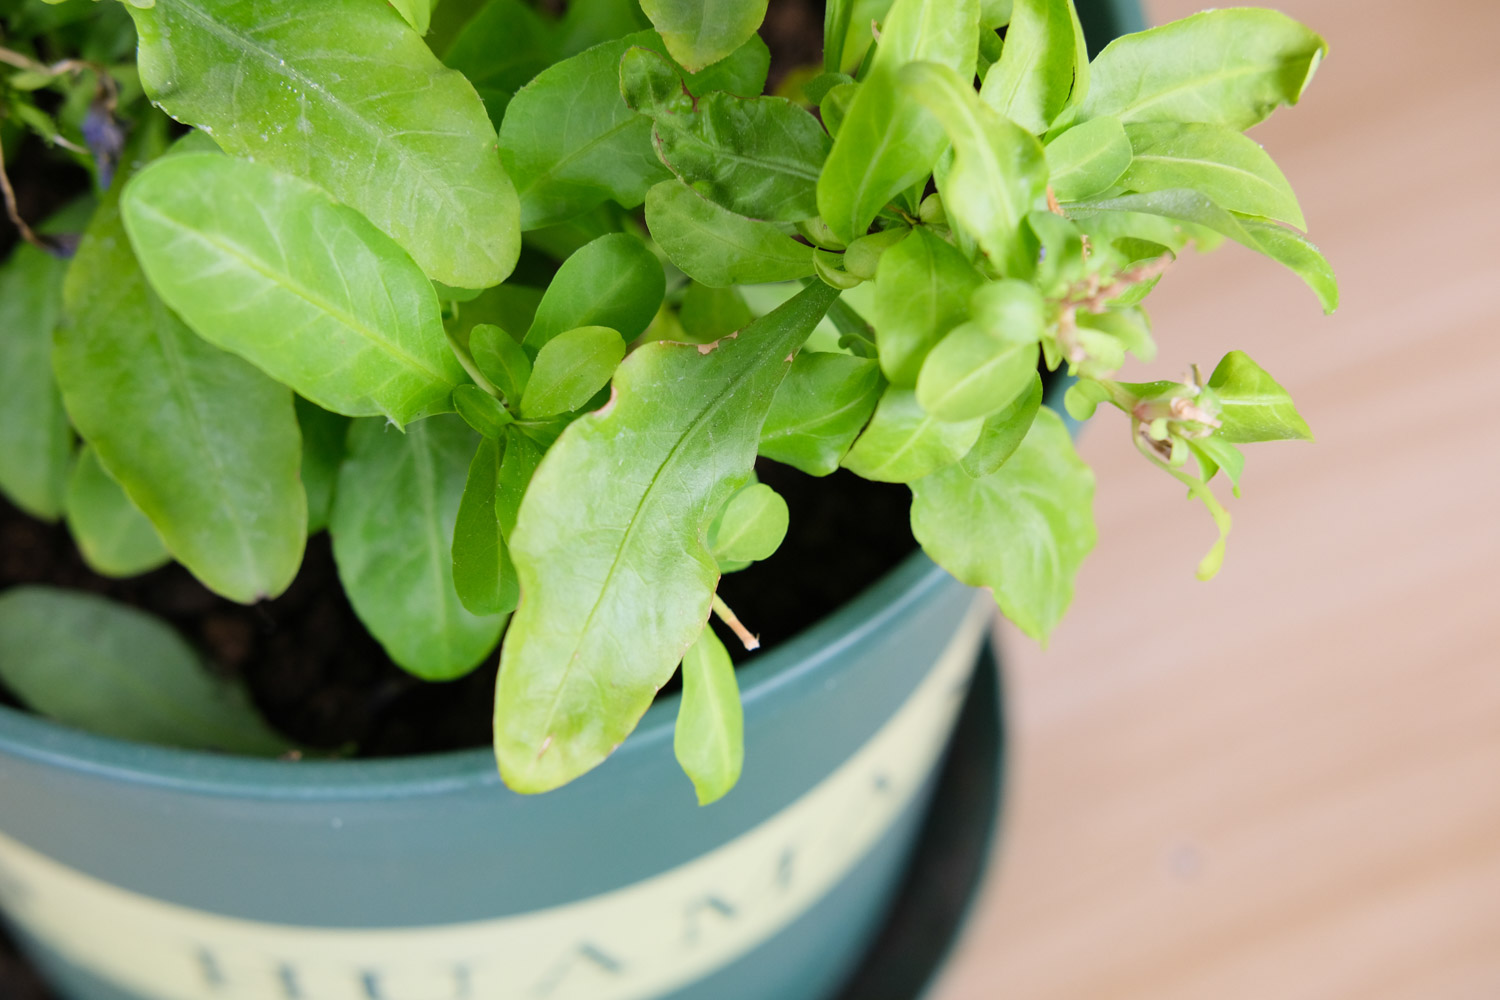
(779, 673)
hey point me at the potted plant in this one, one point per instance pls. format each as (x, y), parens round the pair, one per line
(525, 394)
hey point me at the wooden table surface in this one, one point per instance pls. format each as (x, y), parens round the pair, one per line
(1285, 784)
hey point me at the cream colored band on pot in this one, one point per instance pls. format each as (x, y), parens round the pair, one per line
(638, 941)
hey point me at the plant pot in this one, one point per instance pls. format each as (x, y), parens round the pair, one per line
(136, 871)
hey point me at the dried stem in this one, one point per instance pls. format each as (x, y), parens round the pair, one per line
(728, 617)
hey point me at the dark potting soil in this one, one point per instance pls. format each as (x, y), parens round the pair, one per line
(320, 678)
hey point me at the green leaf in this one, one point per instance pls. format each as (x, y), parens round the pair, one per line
(394, 515)
(1003, 432)
(1044, 66)
(922, 289)
(115, 538)
(323, 435)
(570, 142)
(822, 405)
(202, 442)
(35, 442)
(1224, 67)
(1022, 531)
(483, 575)
(615, 281)
(500, 49)
(710, 313)
(341, 92)
(1214, 453)
(699, 33)
(973, 372)
(886, 142)
(998, 168)
(751, 526)
(267, 266)
(1230, 168)
(1255, 406)
(1088, 159)
(1293, 251)
(570, 369)
(115, 671)
(758, 157)
(500, 359)
(481, 411)
(418, 13)
(518, 463)
(710, 736)
(903, 443)
(616, 581)
(1083, 398)
(714, 246)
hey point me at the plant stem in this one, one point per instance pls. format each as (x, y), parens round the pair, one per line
(728, 617)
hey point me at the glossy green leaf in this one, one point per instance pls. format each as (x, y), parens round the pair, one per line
(1083, 398)
(393, 521)
(501, 360)
(998, 168)
(751, 526)
(614, 281)
(1003, 432)
(1292, 250)
(903, 442)
(1214, 453)
(267, 266)
(887, 142)
(1225, 67)
(862, 258)
(1044, 66)
(1022, 531)
(323, 435)
(202, 442)
(714, 246)
(418, 13)
(822, 405)
(973, 372)
(112, 670)
(616, 581)
(500, 49)
(699, 33)
(115, 538)
(834, 106)
(1255, 406)
(483, 576)
(570, 369)
(570, 142)
(35, 442)
(1230, 168)
(341, 92)
(1089, 159)
(481, 411)
(518, 463)
(710, 313)
(709, 740)
(922, 289)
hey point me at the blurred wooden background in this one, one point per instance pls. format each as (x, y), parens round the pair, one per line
(1285, 784)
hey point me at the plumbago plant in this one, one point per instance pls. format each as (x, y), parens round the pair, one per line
(512, 308)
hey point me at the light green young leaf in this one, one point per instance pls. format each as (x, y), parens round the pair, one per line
(922, 289)
(1230, 168)
(501, 360)
(1255, 406)
(519, 459)
(483, 576)
(973, 372)
(394, 516)
(481, 411)
(1088, 159)
(1292, 250)
(347, 96)
(615, 281)
(710, 736)
(35, 442)
(751, 526)
(699, 33)
(500, 49)
(1003, 432)
(1214, 453)
(570, 369)
(998, 168)
(823, 404)
(714, 246)
(903, 443)
(115, 538)
(886, 142)
(1224, 67)
(267, 266)
(202, 442)
(323, 435)
(1022, 531)
(1044, 66)
(758, 157)
(112, 670)
(418, 13)
(616, 581)
(710, 313)
(1083, 398)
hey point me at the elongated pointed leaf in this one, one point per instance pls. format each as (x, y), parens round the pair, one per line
(1003, 432)
(615, 578)
(904, 443)
(35, 442)
(714, 246)
(1230, 168)
(269, 267)
(112, 670)
(709, 740)
(1292, 250)
(699, 33)
(113, 536)
(1256, 407)
(418, 13)
(501, 360)
(922, 289)
(614, 281)
(1088, 159)
(203, 443)
(570, 369)
(1022, 531)
(501, 49)
(483, 576)
(393, 525)
(820, 408)
(1044, 66)
(341, 92)
(323, 436)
